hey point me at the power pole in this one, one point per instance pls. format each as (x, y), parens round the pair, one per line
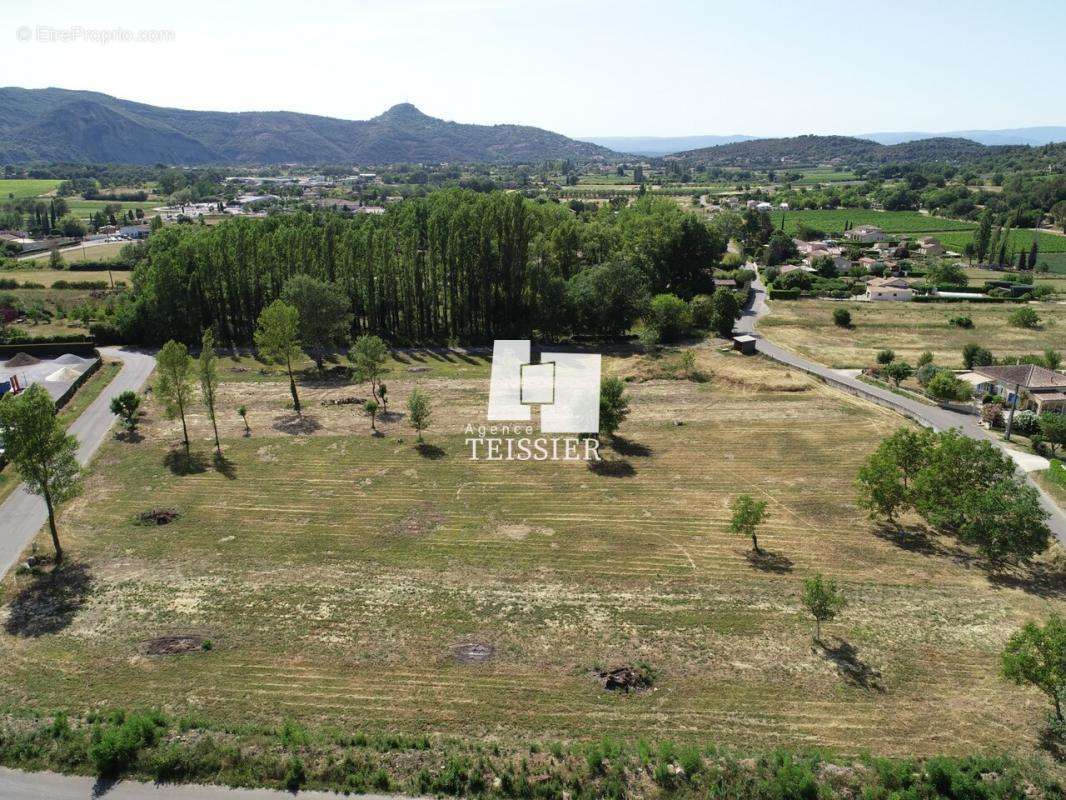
(1010, 414)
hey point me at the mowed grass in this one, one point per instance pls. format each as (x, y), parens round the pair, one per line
(1019, 240)
(909, 329)
(335, 573)
(18, 188)
(47, 277)
(96, 252)
(892, 222)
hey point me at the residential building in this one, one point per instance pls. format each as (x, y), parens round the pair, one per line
(888, 289)
(866, 234)
(1031, 387)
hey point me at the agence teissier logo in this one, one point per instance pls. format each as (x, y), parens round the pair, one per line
(566, 388)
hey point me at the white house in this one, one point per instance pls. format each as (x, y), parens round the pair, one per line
(866, 234)
(888, 289)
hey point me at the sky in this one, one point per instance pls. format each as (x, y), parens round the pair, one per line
(579, 67)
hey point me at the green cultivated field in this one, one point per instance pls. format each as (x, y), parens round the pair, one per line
(335, 574)
(832, 221)
(83, 208)
(17, 188)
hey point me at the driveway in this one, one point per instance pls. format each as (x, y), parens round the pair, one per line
(932, 416)
(23, 514)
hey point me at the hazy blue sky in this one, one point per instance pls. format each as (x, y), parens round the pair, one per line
(581, 67)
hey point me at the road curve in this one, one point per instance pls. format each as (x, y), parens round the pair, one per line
(23, 514)
(16, 785)
(935, 417)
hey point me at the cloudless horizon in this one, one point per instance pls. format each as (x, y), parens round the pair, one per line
(584, 69)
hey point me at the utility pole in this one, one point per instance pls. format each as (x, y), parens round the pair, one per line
(1010, 414)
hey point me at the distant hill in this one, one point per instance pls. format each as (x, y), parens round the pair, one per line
(661, 145)
(1035, 136)
(66, 125)
(809, 150)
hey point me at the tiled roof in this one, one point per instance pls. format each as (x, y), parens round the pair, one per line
(1028, 375)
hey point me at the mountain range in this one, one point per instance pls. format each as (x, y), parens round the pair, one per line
(810, 150)
(665, 145)
(67, 125)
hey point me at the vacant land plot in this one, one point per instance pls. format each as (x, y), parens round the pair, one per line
(18, 188)
(84, 208)
(90, 252)
(893, 222)
(48, 277)
(806, 326)
(908, 329)
(345, 579)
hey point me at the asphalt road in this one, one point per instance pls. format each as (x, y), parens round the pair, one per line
(23, 514)
(938, 418)
(50, 786)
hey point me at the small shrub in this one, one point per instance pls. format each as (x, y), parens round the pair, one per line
(842, 317)
(885, 356)
(295, 774)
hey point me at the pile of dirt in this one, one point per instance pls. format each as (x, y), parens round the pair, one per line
(343, 401)
(158, 516)
(474, 653)
(626, 678)
(22, 360)
(174, 644)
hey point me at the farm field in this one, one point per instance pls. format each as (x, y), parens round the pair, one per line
(978, 277)
(893, 222)
(96, 252)
(806, 326)
(335, 573)
(18, 188)
(84, 208)
(47, 277)
(1047, 243)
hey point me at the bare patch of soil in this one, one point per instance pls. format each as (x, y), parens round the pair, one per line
(474, 653)
(296, 425)
(421, 520)
(174, 644)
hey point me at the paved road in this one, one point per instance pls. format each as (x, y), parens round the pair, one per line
(933, 416)
(50, 786)
(23, 514)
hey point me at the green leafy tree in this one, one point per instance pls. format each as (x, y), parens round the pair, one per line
(898, 371)
(841, 317)
(127, 405)
(668, 318)
(324, 312)
(823, 600)
(1052, 359)
(973, 355)
(1024, 317)
(242, 411)
(945, 387)
(885, 356)
(418, 411)
(371, 409)
(1004, 520)
(41, 450)
(956, 466)
(614, 405)
(278, 338)
(369, 356)
(887, 477)
(174, 369)
(725, 313)
(207, 370)
(748, 514)
(1053, 430)
(1036, 656)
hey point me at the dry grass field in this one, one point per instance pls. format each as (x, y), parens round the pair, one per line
(335, 573)
(807, 327)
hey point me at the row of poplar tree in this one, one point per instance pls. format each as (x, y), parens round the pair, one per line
(456, 266)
